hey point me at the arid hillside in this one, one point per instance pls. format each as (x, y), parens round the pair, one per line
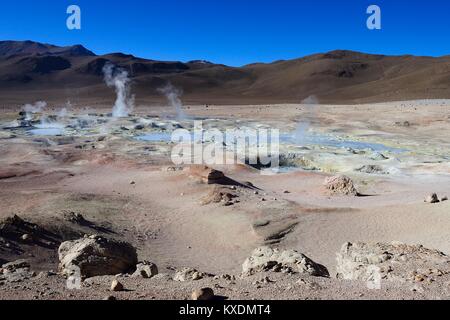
(32, 71)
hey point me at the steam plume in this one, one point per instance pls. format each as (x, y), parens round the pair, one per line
(118, 78)
(173, 96)
(31, 109)
(301, 131)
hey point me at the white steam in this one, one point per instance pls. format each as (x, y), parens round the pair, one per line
(31, 109)
(118, 78)
(64, 111)
(173, 97)
(302, 129)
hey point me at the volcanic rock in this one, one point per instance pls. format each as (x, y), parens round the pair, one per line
(205, 294)
(26, 237)
(289, 261)
(378, 156)
(16, 271)
(96, 256)
(206, 174)
(340, 185)
(14, 266)
(432, 198)
(188, 274)
(116, 286)
(372, 169)
(16, 229)
(394, 261)
(76, 218)
(145, 270)
(219, 195)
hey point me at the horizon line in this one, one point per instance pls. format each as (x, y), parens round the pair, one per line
(240, 66)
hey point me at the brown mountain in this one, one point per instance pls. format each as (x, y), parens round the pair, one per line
(32, 71)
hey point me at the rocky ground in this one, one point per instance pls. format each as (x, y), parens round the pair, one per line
(330, 227)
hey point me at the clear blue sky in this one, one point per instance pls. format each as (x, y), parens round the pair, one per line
(233, 32)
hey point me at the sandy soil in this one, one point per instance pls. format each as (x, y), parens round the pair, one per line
(125, 189)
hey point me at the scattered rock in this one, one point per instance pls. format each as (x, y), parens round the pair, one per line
(205, 294)
(228, 277)
(76, 218)
(378, 156)
(219, 195)
(174, 169)
(163, 276)
(445, 198)
(403, 123)
(145, 270)
(340, 185)
(395, 261)
(297, 160)
(26, 238)
(17, 271)
(110, 298)
(263, 280)
(96, 256)
(432, 198)
(116, 286)
(213, 177)
(289, 261)
(16, 229)
(188, 274)
(309, 284)
(14, 266)
(206, 174)
(45, 274)
(372, 169)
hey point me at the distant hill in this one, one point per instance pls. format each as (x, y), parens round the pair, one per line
(34, 71)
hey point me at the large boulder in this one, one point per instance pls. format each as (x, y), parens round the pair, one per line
(96, 256)
(16, 271)
(206, 174)
(340, 185)
(289, 261)
(391, 261)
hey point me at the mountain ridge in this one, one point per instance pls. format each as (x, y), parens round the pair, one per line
(338, 76)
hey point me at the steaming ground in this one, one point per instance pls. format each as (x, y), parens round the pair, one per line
(128, 189)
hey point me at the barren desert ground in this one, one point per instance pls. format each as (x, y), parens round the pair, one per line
(83, 174)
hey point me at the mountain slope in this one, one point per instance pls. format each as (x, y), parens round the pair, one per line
(33, 71)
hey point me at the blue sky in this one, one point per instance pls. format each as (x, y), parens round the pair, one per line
(233, 32)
